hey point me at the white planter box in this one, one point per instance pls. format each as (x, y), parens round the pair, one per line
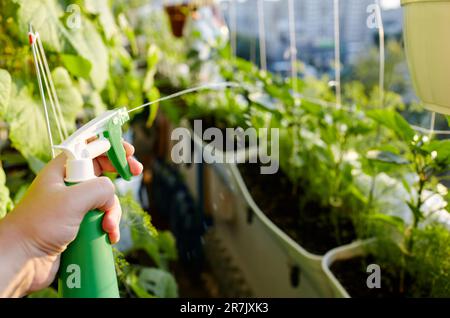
(344, 252)
(272, 264)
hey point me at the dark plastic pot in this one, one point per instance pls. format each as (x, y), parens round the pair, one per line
(178, 15)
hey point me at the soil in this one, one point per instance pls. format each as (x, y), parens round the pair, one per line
(210, 122)
(352, 274)
(308, 225)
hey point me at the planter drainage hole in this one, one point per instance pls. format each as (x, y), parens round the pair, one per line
(295, 276)
(249, 215)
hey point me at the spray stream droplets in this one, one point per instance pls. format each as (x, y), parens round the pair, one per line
(212, 86)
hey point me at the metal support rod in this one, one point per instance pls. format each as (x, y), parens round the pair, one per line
(380, 27)
(233, 26)
(293, 44)
(45, 76)
(41, 89)
(337, 53)
(262, 35)
(58, 113)
(432, 124)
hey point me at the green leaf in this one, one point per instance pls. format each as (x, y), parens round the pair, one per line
(395, 221)
(77, 65)
(311, 107)
(48, 292)
(153, 55)
(158, 282)
(405, 184)
(129, 33)
(167, 244)
(356, 191)
(6, 203)
(27, 125)
(143, 234)
(84, 40)
(394, 121)
(70, 99)
(95, 100)
(153, 95)
(44, 16)
(35, 163)
(21, 192)
(88, 43)
(417, 213)
(5, 91)
(386, 157)
(133, 281)
(442, 149)
(103, 9)
(263, 100)
(27, 128)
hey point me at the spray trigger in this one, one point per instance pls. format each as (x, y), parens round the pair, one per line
(108, 129)
(116, 153)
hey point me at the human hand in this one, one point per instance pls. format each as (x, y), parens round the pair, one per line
(41, 226)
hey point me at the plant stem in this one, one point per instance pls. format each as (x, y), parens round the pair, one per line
(402, 274)
(371, 192)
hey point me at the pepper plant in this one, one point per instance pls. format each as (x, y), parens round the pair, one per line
(420, 163)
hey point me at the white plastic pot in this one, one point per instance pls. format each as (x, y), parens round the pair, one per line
(427, 44)
(344, 252)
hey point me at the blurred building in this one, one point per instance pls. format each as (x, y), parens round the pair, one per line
(314, 30)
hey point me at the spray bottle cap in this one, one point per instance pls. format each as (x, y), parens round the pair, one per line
(107, 128)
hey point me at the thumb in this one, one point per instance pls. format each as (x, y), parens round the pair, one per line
(54, 170)
(93, 194)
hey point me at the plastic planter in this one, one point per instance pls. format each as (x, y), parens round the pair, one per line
(177, 15)
(427, 45)
(272, 264)
(344, 252)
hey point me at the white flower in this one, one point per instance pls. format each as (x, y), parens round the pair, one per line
(441, 189)
(434, 154)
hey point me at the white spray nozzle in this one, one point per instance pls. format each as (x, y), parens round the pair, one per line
(80, 150)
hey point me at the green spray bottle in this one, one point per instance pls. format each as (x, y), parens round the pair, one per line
(87, 265)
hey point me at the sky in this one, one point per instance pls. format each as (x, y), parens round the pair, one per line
(386, 4)
(390, 4)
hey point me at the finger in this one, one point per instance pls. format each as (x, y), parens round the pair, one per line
(97, 168)
(55, 170)
(129, 148)
(104, 165)
(114, 237)
(135, 166)
(93, 194)
(111, 220)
